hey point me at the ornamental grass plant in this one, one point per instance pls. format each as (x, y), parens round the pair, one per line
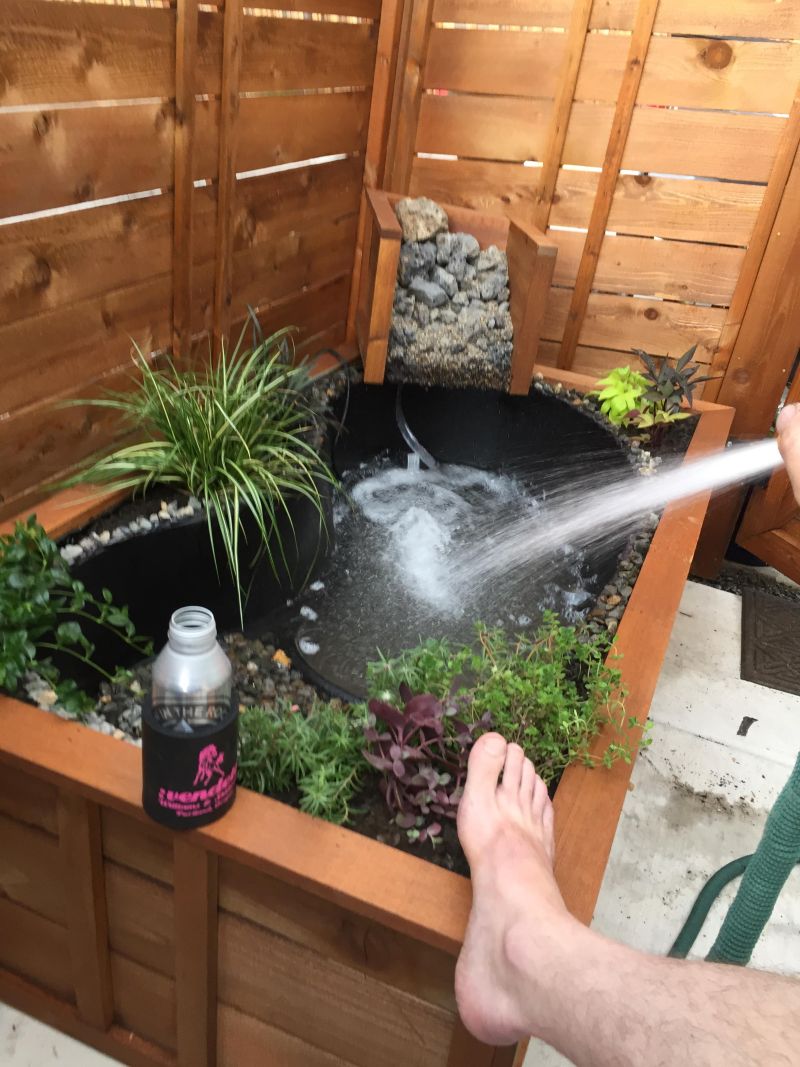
(239, 433)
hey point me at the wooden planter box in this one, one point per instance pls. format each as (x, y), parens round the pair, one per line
(269, 937)
(531, 261)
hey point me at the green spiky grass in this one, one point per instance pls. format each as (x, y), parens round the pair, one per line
(235, 434)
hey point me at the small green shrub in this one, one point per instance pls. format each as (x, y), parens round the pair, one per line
(318, 755)
(622, 394)
(550, 693)
(40, 608)
(237, 434)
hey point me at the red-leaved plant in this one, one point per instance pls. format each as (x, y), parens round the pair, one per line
(421, 752)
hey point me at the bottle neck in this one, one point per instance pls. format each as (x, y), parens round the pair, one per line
(192, 631)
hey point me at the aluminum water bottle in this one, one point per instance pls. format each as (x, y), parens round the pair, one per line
(189, 726)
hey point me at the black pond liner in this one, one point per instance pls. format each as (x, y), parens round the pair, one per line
(173, 565)
(487, 430)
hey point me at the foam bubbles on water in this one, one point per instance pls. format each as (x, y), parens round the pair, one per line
(307, 646)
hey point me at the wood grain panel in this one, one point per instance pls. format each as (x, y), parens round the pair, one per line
(707, 144)
(363, 1022)
(280, 54)
(593, 362)
(720, 212)
(660, 327)
(338, 935)
(680, 72)
(513, 128)
(313, 311)
(741, 18)
(141, 919)
(35, 948)
(29, 865)
(299, 127)
(365, 9)
(676, 270)
(242, 1040)
(50, 262)
(54, 158)
(49, 354)
(699, 143)
(144, 1001)
(138, 845)
(28, 800)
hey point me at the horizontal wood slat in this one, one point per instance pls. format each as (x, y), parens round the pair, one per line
(54, 53)
(680, 72)
(29, 859)
(138, 845)
(706, 144)
(264, 975)
(242, 1040)
(676, 270)
(28, 800)
(593, 362)
(721, 212)
(141, 919)
(144, 1001)
(314, 311)
(740, 18)
(35, 948)
(335, 934)
(660, 327)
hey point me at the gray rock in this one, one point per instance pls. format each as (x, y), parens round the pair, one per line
(469, 246)
(184, 513)
(164, 515)
(445, 280)
(422, 313)
(69, 553)
(428, 293)
(491, 258)
(458, 266)
(492, 284)
(460, 300)
(145, 525)
(470, 272)
(415, 260)
(503, 308)
(195, 503)
(420, 219)
(444, 248)
(87, 544)
(154, 519)
(403, 302)
(104, 537)
(435, 314)
(448, 316)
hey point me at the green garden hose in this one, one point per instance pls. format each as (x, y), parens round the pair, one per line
(765, 872)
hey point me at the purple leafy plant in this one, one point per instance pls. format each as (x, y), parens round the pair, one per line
(421, 751)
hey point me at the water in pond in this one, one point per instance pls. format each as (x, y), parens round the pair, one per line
(427, 552)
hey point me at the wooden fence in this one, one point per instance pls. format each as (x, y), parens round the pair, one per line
(139, 199)
(139, 195)
(653, 137)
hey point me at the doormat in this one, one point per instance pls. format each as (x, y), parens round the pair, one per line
(771, 641)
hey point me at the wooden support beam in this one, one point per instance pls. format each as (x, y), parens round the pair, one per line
(562, 109)
(80, 844)
(531, 262)
(384, 235)
(756, 249)
(607, 183)
(183, 247)
(196, 899)
(377, 134)
(232, 40)
(405, 112)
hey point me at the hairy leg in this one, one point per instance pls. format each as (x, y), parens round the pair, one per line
(527, 967)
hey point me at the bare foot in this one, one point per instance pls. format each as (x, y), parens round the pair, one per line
(506, 832)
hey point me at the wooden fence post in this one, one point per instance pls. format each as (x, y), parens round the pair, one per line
(80, 844)
(232, 43)
(607, 183)
(196, 894)
(405, 110)
(182, 252)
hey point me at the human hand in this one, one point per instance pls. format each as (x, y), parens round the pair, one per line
(788, 429)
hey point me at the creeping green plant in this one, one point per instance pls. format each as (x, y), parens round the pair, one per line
(551, 693)
(41, 610)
